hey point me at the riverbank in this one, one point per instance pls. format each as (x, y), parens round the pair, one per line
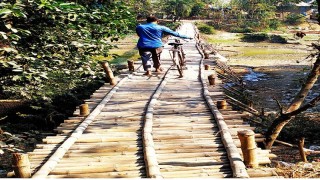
(275, 72)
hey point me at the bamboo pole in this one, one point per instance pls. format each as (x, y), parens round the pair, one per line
(238, 167)
(21, 165)
(248, 147)
(153, 169)
(109, 73)
(301, 150)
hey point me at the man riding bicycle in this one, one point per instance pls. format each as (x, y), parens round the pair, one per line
(150, 43)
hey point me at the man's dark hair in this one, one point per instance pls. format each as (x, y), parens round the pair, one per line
(152, 19)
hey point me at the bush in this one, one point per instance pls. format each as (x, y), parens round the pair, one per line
(277, 39)
(241, 30)
(295, 19)
(274, 24)
(206, 29)
(255, 37)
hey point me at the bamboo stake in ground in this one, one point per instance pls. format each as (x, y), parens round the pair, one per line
(21, 165)
(109, 73)
(212, 79)
(248, 147)
(222, 104)
(131, 65)
(301, 150)
(207, 67)
(206, 55)
(84, 110)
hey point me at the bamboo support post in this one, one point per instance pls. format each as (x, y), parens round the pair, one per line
(131, 65)
(222, 104)
(262, 112)
(206, 55)
(250, 104)
(248, 147)
(207, 67)
(109, 73)
(84, 109)
(301, 150)
(212, 79)
(21, 165)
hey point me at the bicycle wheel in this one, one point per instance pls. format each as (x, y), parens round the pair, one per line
(180, 64)
(180, 70)
(181, 59)
(176, 61)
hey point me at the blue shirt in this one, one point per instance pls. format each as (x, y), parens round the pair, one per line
(151, 33)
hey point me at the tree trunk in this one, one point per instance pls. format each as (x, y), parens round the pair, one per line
(312, 79)
(285, 118)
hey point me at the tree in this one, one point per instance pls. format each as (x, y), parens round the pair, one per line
(181, 8)
(47, 46)
(295, 106)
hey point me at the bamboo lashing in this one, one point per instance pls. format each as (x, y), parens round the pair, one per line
(21, 165)
(248, 147)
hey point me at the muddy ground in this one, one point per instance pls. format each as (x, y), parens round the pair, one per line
(275, 72)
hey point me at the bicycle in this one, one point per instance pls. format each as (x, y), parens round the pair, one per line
(178, 56)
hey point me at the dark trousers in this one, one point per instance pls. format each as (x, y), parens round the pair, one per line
(148, 54)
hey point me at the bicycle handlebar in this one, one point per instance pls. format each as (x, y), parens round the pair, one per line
(175, 44)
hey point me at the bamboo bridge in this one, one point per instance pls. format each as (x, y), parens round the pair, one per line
(157, 126)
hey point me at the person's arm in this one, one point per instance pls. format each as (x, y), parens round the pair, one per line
(174, 33)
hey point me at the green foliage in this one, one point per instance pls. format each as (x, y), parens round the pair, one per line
(274, 24)
(241, 30)
(180, 8)
(295, 19)
(47, 46)
(255, 37)
(258, 37)
(205, 28)
(197, 9)
(277, 39)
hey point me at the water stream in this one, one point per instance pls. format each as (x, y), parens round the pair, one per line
(254, 76)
